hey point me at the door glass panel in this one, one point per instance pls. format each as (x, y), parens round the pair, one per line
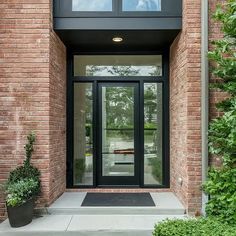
(92, 5)
(83, 134)
(118, 65)
(152, 134)
(141, 5)
(117, 131)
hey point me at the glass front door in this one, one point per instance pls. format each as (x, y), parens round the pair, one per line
(118, 122)
(118, 132)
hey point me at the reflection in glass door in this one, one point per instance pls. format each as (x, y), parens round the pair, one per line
(118, 163)
(128, 149)
(153, 134)
(83, 134)
(118, 125)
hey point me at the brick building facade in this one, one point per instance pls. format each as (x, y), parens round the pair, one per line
(33, 97)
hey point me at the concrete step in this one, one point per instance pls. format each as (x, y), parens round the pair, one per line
(115, 211)
(87, 225)
(70, 204)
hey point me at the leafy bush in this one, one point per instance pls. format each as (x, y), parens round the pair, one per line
(24, 181)
(221, 184)
(221, 188)
(21, 191)
(194, 227)
(22, 172)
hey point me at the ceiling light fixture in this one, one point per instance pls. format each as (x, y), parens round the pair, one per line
(117, 39)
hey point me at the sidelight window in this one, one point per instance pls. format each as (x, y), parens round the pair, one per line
(153, 133)
(83, 134)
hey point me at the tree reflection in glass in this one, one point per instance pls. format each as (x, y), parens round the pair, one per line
(154, 70)
(118, 130)
(83, 134)
(92, 5)
(152, 133)
(141, 5)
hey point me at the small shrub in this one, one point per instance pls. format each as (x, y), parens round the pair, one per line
(21, 191)
(194, 227)
(24, 181)
(23, 172)
(27, 171)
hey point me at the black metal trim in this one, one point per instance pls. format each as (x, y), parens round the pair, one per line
(95, 133)
(116, 78)
(101, 23)
(166, 117)
(141, 138)
(69, 120)
(121, 180)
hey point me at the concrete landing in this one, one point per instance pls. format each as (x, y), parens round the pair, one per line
(66, 217)
(70, 204)
(87, 225)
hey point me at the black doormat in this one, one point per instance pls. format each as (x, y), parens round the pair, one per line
(118, 199)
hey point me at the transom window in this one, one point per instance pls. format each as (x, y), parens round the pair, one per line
(118, 65)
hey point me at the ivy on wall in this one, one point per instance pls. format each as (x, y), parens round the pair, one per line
(221, 183)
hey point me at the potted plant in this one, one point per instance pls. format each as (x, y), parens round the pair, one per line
(22, 187)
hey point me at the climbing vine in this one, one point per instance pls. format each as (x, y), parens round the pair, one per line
(221, 183)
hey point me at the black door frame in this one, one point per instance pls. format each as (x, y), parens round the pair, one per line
(164, 79)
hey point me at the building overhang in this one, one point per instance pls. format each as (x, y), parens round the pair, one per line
(133, 40)
(140, 30)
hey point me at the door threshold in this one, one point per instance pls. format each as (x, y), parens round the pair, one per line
(119, 186)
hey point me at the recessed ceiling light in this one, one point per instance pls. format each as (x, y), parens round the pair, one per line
(117, 39)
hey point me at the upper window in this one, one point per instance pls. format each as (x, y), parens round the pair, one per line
(141, 5)
(92, 5)
(107, 5)
(117, 8)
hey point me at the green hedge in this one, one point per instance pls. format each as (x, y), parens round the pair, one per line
(194, 227)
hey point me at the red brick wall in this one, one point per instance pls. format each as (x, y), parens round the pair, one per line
(178, 117)
(32, 97)
(185, 115)
(57, 112)
(28, 71)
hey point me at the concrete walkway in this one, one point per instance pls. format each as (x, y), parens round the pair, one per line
(67, 217)
(83, 225)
